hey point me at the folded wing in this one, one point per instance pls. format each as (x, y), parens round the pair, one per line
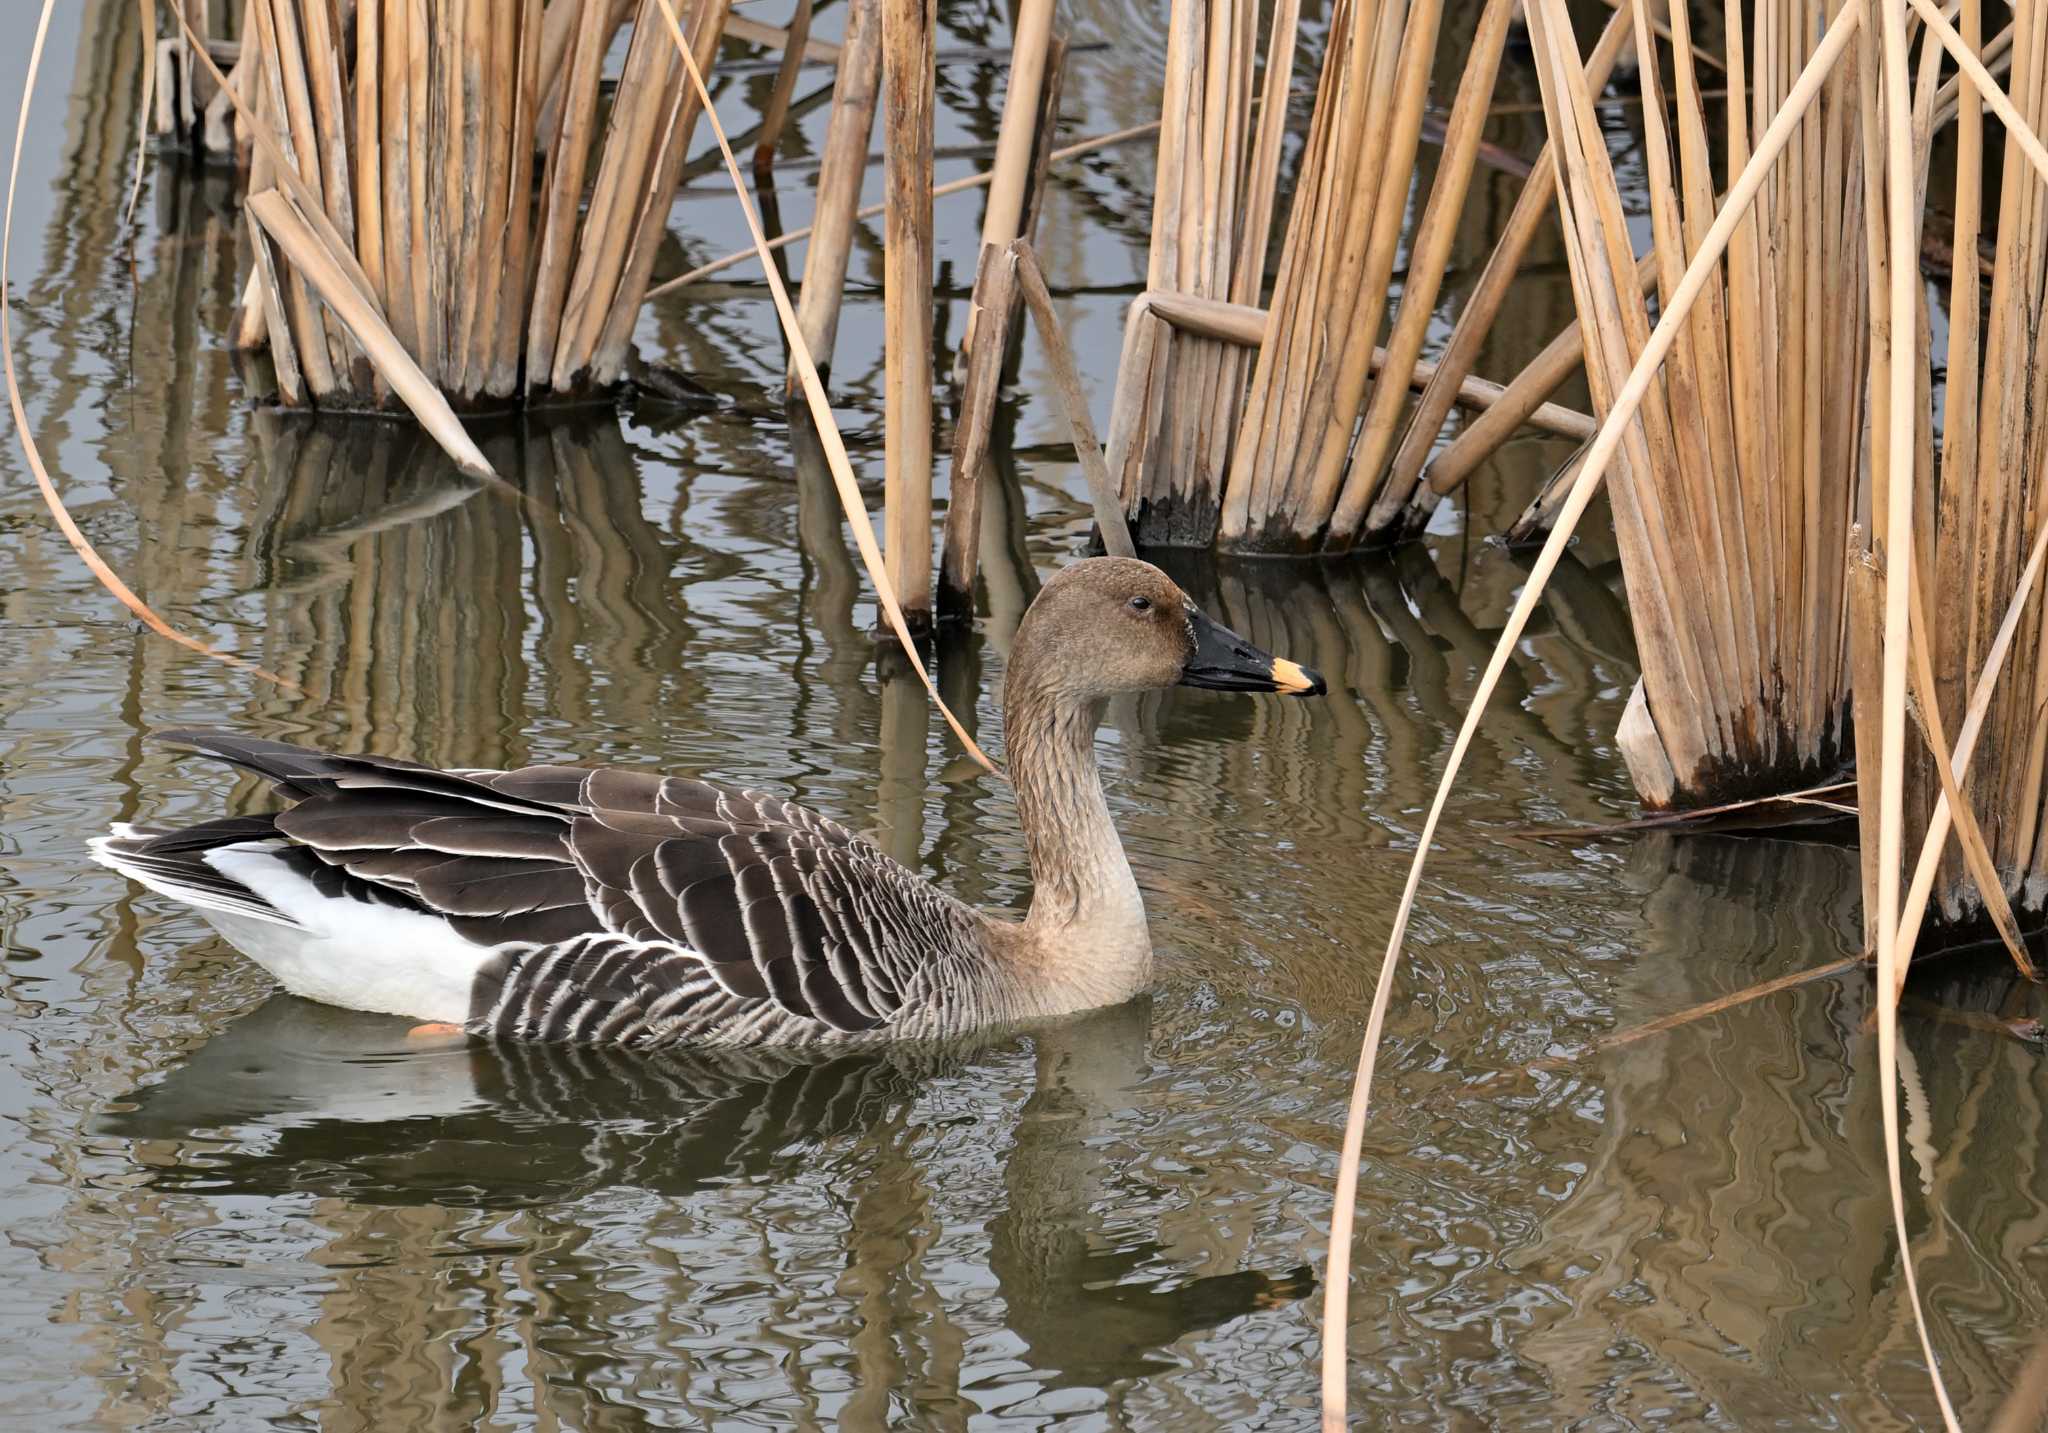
(777, 903)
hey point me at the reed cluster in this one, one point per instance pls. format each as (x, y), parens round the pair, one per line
(1179, 396)
(1269, 429)
(1736, 486)
(492, 213)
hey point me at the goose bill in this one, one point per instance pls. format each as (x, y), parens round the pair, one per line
(1226, 662)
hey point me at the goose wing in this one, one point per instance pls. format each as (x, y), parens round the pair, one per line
(775, 902)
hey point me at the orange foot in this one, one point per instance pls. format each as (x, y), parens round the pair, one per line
(433, 1030)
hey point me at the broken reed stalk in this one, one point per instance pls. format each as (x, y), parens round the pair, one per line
(907, 100)
(995, 283)
(413, 148)
(1017, 141)
(1059, 357)
(1245, 326)
(1673, 317)
(854, 93)
(827, 430)
(777, 113)
(1741, 478)
(1298, 481)
(1562, 357)
(1046, 125)
(1007, 274)
(1175, 412)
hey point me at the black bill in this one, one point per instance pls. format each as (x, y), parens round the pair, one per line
(1226, 662)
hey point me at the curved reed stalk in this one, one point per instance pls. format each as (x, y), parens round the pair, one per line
(30, 452)
(1898, 551)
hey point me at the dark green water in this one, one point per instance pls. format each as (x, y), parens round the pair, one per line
(226, 1209)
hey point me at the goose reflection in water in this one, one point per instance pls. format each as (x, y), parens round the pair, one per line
(300, 1099)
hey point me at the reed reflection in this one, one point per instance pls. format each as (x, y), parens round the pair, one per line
(424, 613)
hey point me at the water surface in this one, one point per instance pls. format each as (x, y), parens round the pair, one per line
(229, 1209)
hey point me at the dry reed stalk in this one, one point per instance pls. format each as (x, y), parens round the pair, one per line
(1733, 506)
(907, 100)
(995, 282)
(1046, 129)
(301, 310)
(1300, 410)
(419, 254)
(638, 110)
(648, 132)
(1175, 412)
(497, 30)
(309, 254)
(854, 93)
(777, 113)
(221, 132)
(369, 148)
(516, 283)
(1059, 357)
(562, 181)
(1245, 327)
(284, 352)
(320, 26)
(773, 37)
(826, 429)
(146, 13)
(1674, 315)
(558, 36)
(1476, 319)
(614, 343)
(1559, 359)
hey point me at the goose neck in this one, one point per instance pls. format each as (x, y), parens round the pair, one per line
(1083, 893)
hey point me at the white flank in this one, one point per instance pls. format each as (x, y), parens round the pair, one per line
(360, 955)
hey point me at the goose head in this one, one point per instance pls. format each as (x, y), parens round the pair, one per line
(1107, 625)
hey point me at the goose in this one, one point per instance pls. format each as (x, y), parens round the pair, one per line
(610, 906)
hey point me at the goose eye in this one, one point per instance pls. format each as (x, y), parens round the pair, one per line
(1141, 604)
